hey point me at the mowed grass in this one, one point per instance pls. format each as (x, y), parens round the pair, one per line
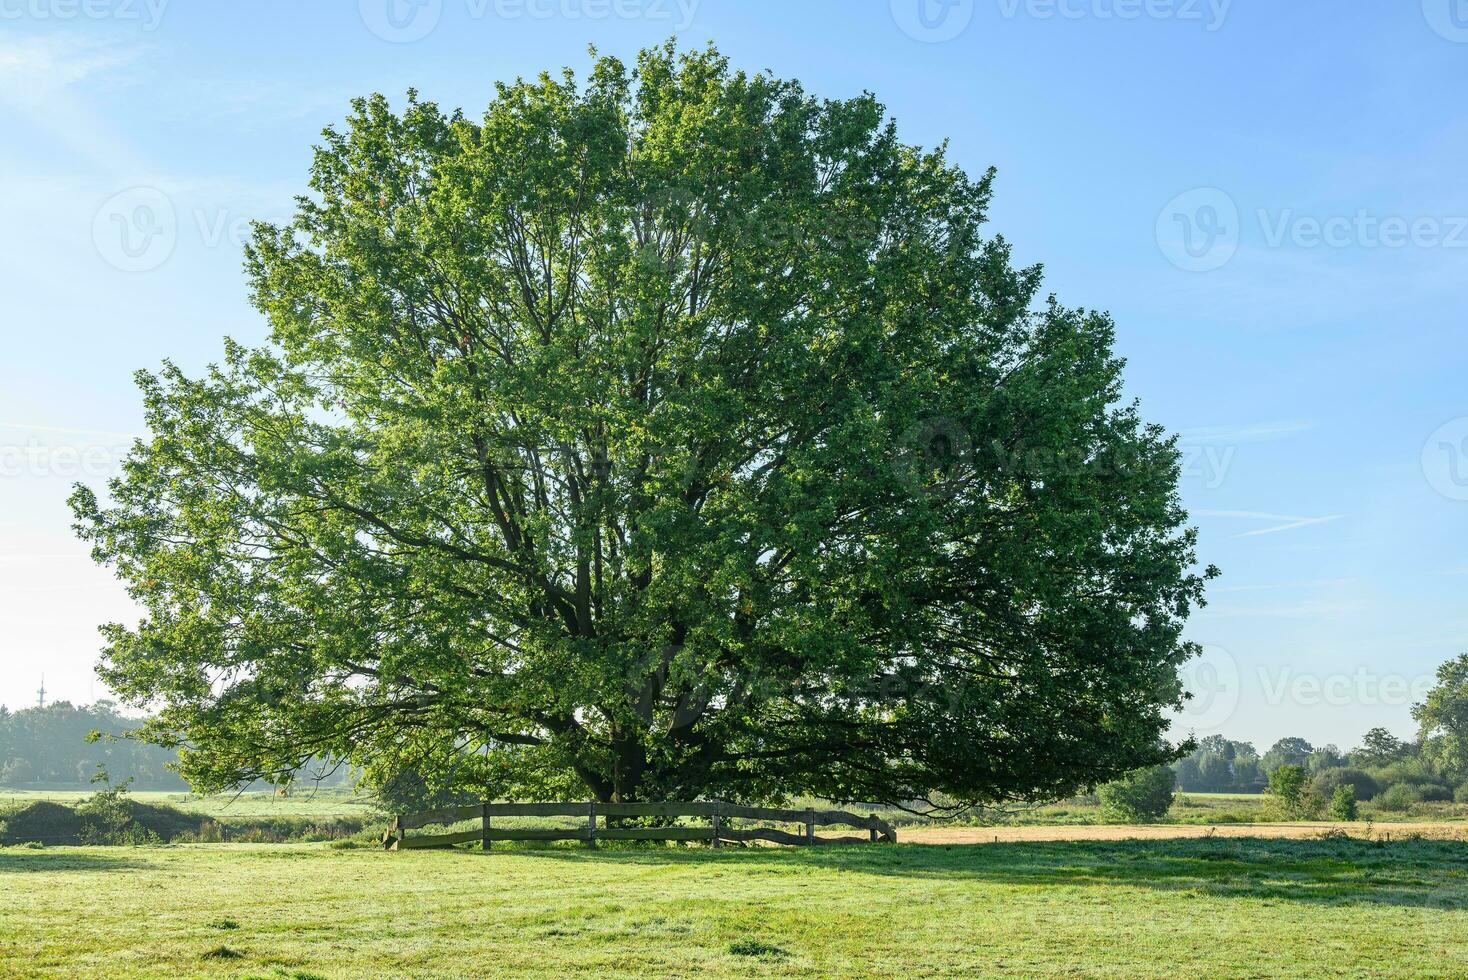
(1186, 808)
(1201, 809)
(1237, 908)
(1198, 809)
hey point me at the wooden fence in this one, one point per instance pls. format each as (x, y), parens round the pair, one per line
(596, 828)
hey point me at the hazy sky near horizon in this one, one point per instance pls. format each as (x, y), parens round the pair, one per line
(1270, 198)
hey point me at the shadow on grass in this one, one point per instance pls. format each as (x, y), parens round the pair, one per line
(20, 860)
(1418, 873)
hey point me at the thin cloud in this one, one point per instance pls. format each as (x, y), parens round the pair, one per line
(1323, 583)
(37, 79)
(254, 102)
(1322, 610)
(1230, 435)
(44, 557)
(1280, 522)
(38, 66)
(60, 430)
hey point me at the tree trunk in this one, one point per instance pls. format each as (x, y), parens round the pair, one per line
(629, 765)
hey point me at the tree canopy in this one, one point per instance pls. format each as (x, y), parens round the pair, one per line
(1291, 751)
(1442, 719)
(1379, 747)
(665, 432)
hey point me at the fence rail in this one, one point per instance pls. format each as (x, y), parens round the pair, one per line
(596, 828)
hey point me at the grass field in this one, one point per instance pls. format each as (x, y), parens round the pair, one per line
(1207, 809)
(1200, 809)
(1296, 830)
(1236, 908)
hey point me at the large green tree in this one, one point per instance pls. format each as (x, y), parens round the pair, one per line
(662, 433)
(1442, 720)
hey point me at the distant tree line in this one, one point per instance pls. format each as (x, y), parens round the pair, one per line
(1222, 765)
(64, 746)
(1393, 771)
(55, 746)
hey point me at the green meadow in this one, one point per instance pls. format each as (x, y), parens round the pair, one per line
(1238, 908)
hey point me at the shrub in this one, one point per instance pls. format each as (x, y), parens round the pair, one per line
(1461, 794)
(1361, 783)
(1294, 796)
(1399, 798)
(1435, 793)
(107, 818)
(406, 791)
(110, 816)
(1413, 772)
(1343, 803)
(1143, 796)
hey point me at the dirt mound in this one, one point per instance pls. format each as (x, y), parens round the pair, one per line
(44, 821)
(115, 819)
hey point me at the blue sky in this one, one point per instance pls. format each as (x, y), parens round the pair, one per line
(1269, 198)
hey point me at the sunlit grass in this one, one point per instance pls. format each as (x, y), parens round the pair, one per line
(1202, 907)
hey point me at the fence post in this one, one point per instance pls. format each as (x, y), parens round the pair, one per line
(873, 827)
(484, 827)
(718, 822)
(810, 826)
(591, 824)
